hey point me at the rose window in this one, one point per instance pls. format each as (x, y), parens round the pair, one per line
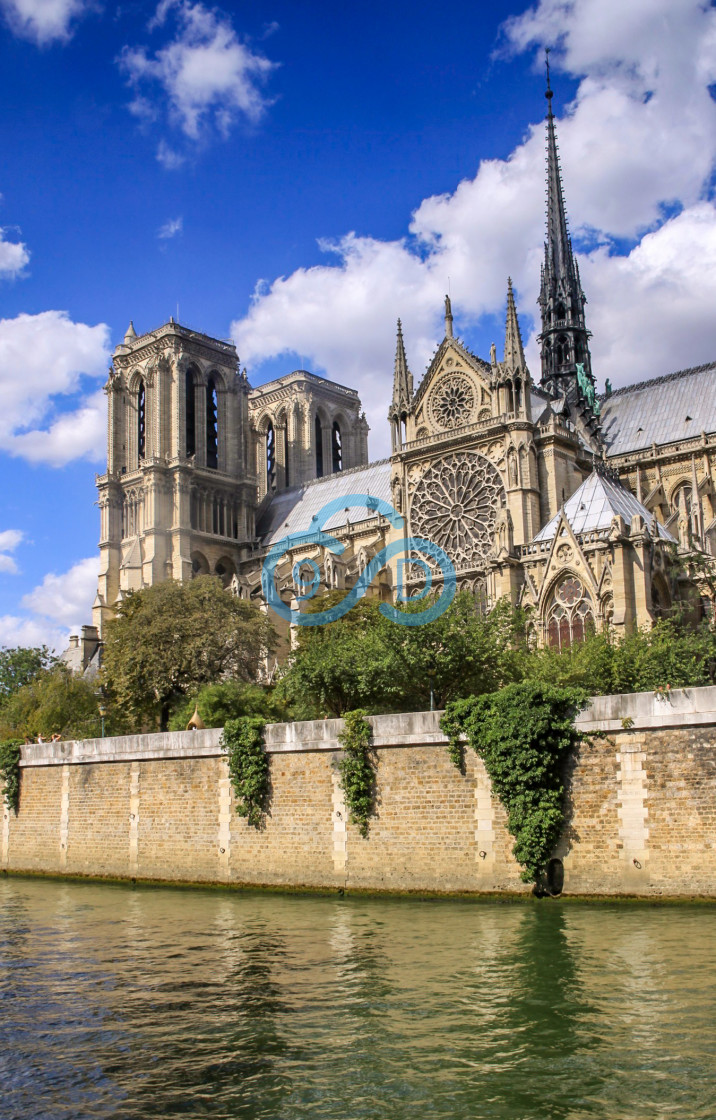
(452, 402)
(455, 505)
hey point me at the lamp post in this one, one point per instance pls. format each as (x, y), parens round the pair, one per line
(430, 670)
(102, 714)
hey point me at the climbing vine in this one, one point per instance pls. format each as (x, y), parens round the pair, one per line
(10, 772)
(524, 734)
(356, 768)
(243, 742)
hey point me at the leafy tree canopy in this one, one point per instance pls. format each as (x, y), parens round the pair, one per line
(168, 640)
(53, 703)
(20, 665)
(218, 703)
(365, 660)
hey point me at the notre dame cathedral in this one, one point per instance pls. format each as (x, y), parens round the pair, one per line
(569, 503)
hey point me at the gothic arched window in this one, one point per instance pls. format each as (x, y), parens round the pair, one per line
(212, 425)
(270, 457)
(318, 436)
(141, 420)
(190, 413)
(570, 615)
(336, 448)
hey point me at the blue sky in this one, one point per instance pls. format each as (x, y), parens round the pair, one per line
(298, 175)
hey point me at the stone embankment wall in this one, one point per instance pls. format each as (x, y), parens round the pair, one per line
(641, 810)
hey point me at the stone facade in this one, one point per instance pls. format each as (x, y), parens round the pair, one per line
(565, 502)
(640, 809)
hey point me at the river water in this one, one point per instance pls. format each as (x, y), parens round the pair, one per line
(120, 1002)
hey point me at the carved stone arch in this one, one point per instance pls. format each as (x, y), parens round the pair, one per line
(134, 378)
(225, 569)
(199, 564)
(218, 377)
(262, 421)
(422, 433)
(568, 609)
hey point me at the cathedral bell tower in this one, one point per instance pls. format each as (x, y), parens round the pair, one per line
(564, 338)
(178, 497)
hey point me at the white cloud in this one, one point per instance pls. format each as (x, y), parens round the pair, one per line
(44, 21)
(9, 540)
(13, 256)
(168, 157)
(67, 598)
(56, 608)
(43, 359)
(206, 77)
(638, 146)
(170, 228)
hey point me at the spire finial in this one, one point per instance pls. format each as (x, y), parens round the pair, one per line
(514, 352)
(448, 317)
(549, 94)
(402, 377)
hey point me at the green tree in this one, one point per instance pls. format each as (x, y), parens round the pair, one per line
(168, 640)
(365, 660)
(53, 703)
(218, 703)
(19, 665)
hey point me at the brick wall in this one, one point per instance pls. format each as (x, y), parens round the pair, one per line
(641, 809)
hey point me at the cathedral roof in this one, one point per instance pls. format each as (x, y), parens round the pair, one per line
(593, 506)
(292, 511)
(666, 409)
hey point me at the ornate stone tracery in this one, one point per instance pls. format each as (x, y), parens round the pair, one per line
(455, 504)
(452, 402)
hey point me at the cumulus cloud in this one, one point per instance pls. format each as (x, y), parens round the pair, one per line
(44, 21)
(204, 79)
(66, 599)
(13, 256)
(9, 540)
(53, 610)
(44, 361)
(170, 229)
(638, 148)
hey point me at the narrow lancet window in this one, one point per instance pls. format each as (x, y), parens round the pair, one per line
(336, 448)
(212, 425)
(190, 408)
(318, 430)
(270, 457)
(141, 420)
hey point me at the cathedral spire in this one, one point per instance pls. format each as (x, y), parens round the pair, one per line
(402, 377)
(448, 317)
(564, 339)
(514, 352)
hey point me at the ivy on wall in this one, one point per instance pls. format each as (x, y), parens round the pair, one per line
(243, 742)
(357, 774)
(10, 772)
(524, 734)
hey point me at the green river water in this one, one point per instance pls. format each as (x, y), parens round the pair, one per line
(120, 1002)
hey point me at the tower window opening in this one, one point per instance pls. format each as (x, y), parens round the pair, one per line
(141, 420)
(287, 480)
(190, 410)
(318, 435)
(212, 425)
(270, 457)
(336, 448)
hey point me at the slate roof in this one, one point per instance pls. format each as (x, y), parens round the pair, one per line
(663, 410)
(291, 511)
(593, 506)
